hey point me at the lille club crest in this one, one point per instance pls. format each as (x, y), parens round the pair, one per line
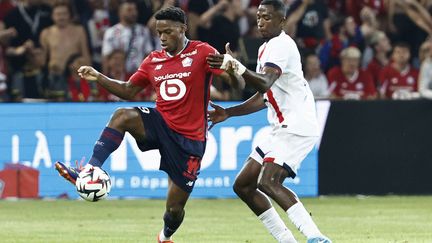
(187, 62)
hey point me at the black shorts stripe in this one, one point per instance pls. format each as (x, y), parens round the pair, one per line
(260, 152)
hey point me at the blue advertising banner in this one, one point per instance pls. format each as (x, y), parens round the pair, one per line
(37, 135)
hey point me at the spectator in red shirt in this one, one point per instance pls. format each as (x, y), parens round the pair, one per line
(381, 47)
(348, 81)
(79, 89)
(399, 79)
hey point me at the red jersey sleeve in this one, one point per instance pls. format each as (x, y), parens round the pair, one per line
(208, 49)
(140, 77)
(332, 81)
(383, 76)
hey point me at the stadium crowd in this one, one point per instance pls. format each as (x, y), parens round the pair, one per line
(352, 49)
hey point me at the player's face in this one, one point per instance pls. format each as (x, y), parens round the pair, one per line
(171, 35)
(269, 21)
(61, 16)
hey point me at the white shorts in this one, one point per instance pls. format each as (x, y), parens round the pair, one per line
(285, 149)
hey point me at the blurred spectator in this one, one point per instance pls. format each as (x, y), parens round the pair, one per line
(425, 76)
(398, 79)
(5, 7)
(355, 7)
(59, 43)
(409, 22)
(309, 23)
(133, 38)
(348, 81)
(5, 36)
(116, 69)
(29, 18)
(196, 8)
(344, 33)
(151, 23)
(96, 21)
(79, 89)
(316, 78)
(220, 25)
(381, 48)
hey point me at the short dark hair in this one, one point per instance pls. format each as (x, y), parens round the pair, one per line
(278, 5)
(62, 3)
(171, 13)
(402, 45)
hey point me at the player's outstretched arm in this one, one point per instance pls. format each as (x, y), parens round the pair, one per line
(122, 89)
(230, 76)
(220, 114)
(260, 81)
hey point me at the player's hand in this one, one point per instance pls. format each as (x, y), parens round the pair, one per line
(216, 60)
(88, 73)
(217, 115)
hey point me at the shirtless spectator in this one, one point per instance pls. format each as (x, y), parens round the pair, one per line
(398, 80)
(133, 38)
(348, 81)
(59, 42)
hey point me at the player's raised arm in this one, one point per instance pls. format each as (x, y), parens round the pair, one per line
(260, 81)
(122, 89)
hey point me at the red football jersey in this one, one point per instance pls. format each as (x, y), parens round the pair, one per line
(374, 68)
(182, 85)
(360, 86)
(391, 80)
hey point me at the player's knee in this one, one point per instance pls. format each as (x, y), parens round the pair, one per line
(242, 189)
(122, 117)
(267, 185)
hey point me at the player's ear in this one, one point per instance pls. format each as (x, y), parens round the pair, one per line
(283, 21)
(184, 28)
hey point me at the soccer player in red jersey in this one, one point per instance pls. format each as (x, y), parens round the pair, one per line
(399, 78)
(177, 126)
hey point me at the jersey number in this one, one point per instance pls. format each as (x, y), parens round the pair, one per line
(172, 89)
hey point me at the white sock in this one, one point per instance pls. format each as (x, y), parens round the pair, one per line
(276, 226)
(303, 221)
(162, 237)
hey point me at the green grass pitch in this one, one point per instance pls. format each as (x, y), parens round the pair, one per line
(344, 219)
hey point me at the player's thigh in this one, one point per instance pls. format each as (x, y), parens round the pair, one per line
(248, 175)
(272, 173)
(289, 150)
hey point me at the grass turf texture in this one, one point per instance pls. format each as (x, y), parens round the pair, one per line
(344, 219)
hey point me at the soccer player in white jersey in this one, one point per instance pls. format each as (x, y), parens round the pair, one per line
(291, 112)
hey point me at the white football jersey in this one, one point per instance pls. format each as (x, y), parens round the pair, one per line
(290, 101)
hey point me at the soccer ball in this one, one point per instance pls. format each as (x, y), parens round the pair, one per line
(93, 184)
